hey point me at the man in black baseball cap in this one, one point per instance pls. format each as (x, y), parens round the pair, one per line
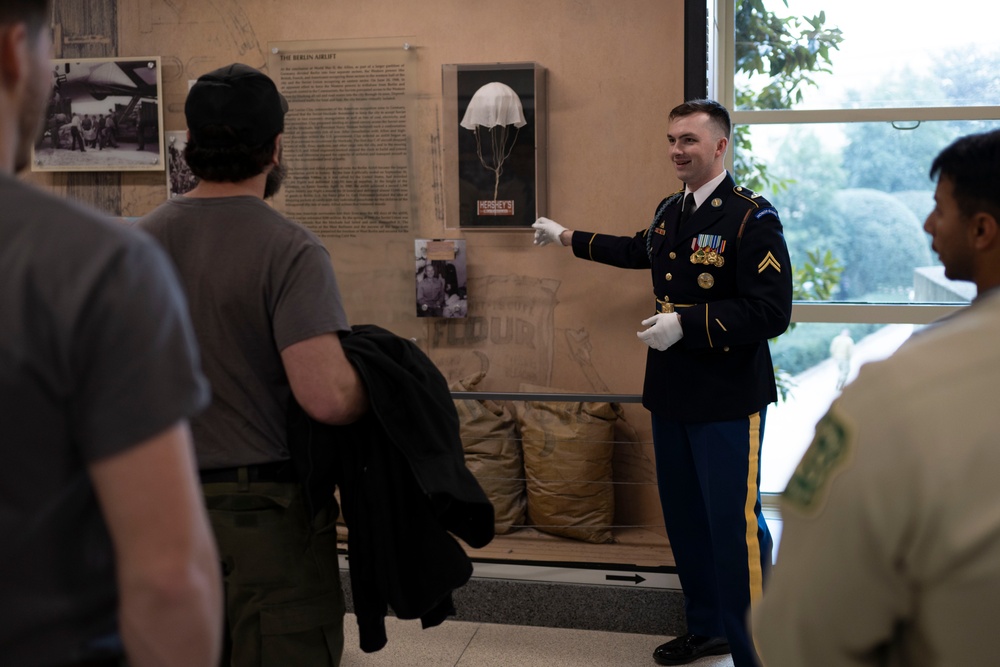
(235, 117)
(237, 97)
(267, 311)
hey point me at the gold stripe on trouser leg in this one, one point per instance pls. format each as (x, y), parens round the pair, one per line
(753, 544)
(708, 331)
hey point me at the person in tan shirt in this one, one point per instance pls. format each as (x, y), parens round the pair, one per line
(890, 553)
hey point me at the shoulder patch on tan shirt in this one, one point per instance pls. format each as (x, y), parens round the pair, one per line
(829, 453)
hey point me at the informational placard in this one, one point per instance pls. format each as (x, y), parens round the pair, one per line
(346, 142)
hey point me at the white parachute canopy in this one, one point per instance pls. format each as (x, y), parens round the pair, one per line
(492, 105)
(491, 111)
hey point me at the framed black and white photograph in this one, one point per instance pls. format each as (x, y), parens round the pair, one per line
(495, 140)
(179, 177)
(441, 277)
(104, 115)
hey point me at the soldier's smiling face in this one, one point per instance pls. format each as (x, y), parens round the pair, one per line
(697, 146)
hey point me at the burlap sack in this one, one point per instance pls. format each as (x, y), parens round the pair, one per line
(493, 454)
(568, 449)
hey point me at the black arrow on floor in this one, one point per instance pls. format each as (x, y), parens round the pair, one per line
(634, 578)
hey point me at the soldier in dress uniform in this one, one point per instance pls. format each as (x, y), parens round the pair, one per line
(722, 286)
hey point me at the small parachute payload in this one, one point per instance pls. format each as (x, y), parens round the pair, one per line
(493, 109)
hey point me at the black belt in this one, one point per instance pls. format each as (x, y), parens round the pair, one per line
(277, 471)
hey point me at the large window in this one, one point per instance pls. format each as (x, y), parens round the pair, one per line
(839, 108)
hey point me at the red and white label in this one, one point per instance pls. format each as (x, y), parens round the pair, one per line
(490, 207)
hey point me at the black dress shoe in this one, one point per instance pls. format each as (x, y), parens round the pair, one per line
(688, 648)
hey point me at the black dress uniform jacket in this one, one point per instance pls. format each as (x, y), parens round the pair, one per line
(727, 273)
(403, 485)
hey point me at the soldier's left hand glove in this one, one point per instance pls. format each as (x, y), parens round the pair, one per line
(664, 330)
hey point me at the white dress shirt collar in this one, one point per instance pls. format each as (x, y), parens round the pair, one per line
(702, 193)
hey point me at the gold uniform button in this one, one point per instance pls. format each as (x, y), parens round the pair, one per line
(725, 349)
(669, 276)
(673, 255)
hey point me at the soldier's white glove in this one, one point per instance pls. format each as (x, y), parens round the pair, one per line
(547, 231)
(664, 330)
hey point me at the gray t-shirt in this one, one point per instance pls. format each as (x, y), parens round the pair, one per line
(96, 355)
(256, 283)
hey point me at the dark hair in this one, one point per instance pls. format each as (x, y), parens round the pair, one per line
(229, 164)
(35, 13)
(972, 164)
(715, 111)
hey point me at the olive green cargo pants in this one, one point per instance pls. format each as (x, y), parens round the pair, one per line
(283, 600)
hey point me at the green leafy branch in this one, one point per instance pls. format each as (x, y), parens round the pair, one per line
(789, 51)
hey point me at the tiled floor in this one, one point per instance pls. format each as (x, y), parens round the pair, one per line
(461, 644)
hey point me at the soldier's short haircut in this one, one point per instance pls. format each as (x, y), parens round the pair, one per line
(715, 111)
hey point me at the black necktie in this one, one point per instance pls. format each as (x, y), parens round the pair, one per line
(688, 208)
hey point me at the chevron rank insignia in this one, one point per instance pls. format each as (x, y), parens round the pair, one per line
(769, 262)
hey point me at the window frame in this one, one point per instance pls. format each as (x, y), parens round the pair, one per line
(720, 79)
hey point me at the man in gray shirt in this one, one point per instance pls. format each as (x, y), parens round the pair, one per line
(267, 314)
(105, 548)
